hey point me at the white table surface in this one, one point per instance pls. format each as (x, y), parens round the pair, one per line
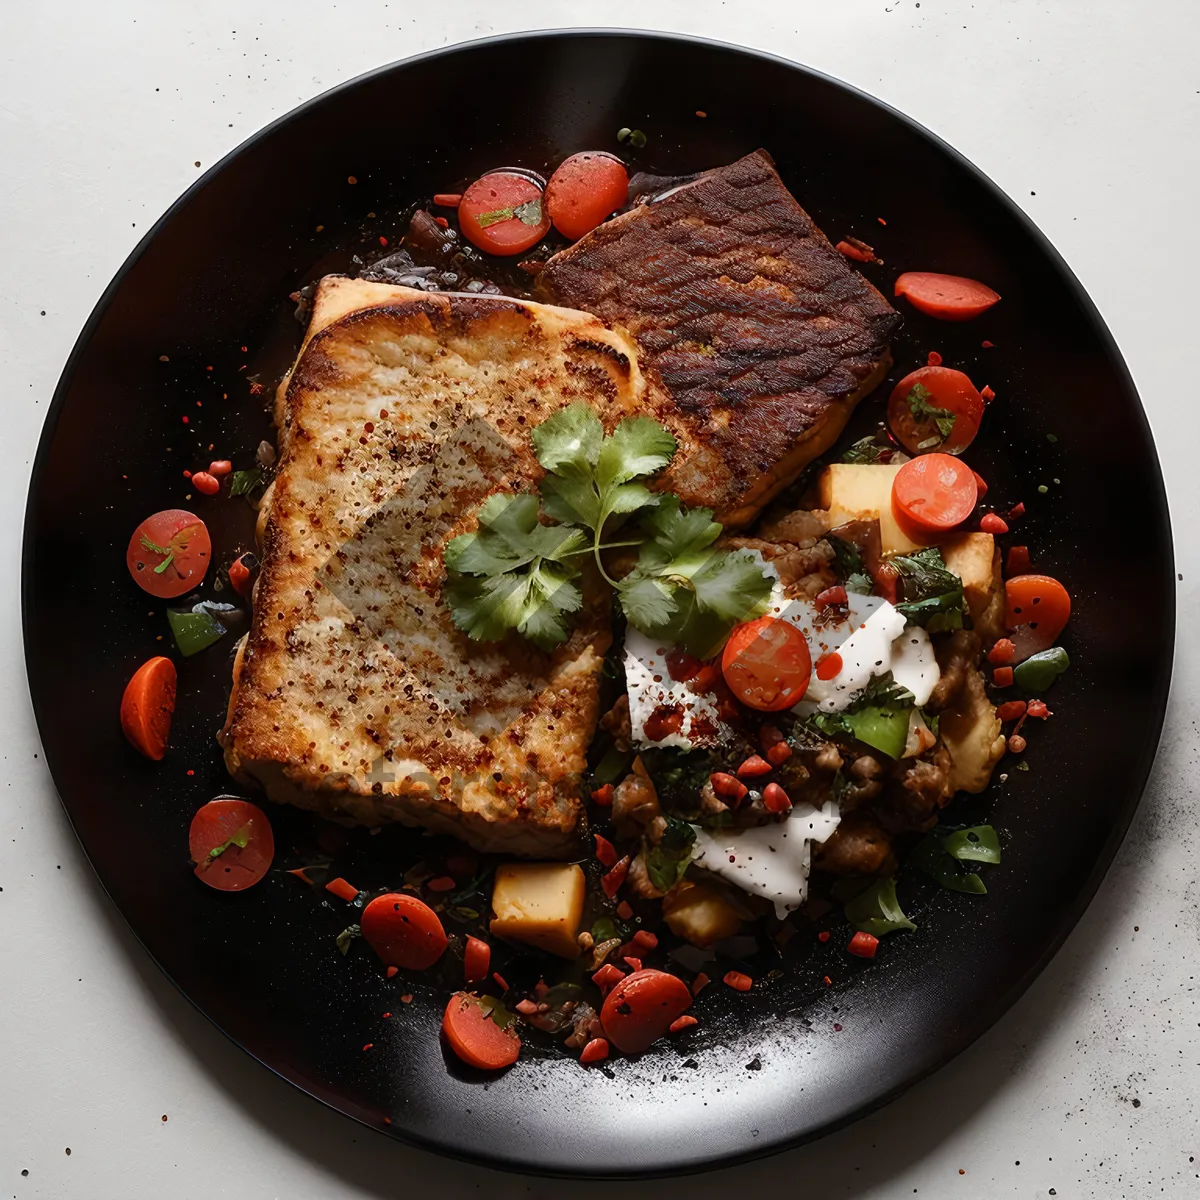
(1087, 112)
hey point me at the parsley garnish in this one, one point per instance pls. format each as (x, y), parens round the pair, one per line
(667, 862)
(529, 213)
(919, 405)
(157, 549)
(849, 564)
(516, 573)
(933, 595)
(241, 483)
(867, 450)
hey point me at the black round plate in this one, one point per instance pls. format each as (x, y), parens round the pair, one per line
(167, 344)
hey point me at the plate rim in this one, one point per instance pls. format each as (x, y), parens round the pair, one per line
(1156, 708)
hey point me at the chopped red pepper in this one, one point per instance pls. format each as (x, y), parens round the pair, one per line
(603, 796)
(728, 786)
(595, 1051)
(301, 874)
(1038, 709)
(1002, 677)
(934, 359)
(993, 523)
(700, 983)
(987, 394)
(527, 1008)
(831, 595)
(858, 250)
(391, 971)
(477, 957)
(1017, 510)
(606, 852)
(342, 890)
(886, 579)
(684, 1022)
(501, 982)
(1011, 710)
(611, 883)
(775, 799)
(828, 665)
(443, 883)
(981, 487)
(447, 199)
(442, 222)
(239, 577)
(645, 940)
(635, 964)
(1018, 561)
(987, 345)
(753, 767)
(779, 754)
(1002, 653)
(738, 981)
(624, 910)
(823, 936)
(607, 978)
(863, 945)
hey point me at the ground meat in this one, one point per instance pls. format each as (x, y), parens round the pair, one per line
(919, 788)
(800, 568)
(635, 806)
(865, 782)
(828, 758)
(638, 880)
(956, 655)
(617, 723)
(711, 805)
(858, 846)
(800, 528)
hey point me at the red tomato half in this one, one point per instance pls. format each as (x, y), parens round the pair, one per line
(767, 664)
(948, 297)
(931, 395)
(474, 1035)
(241, 833)
(169, 553)
(585, 190)
(1036, 609)
(641, 1008)
(503, 213)
(933, 494)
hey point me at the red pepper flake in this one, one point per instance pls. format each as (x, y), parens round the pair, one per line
(382, 240)
(386, 1015)
(987, 345)
(1002, 677)
(342, 890)
(256, 389)
(881, 220)
(828, 981)
(191, 772)
(443, 883)
(831, 595)
(625, 910)
(442, 222)
(863, 945)
(368, 1046)
(824, 936)
(779, 754)
(595, 1051)
(406, 998)
(387, 1120)
(828, 665)
(1018, 561)
(993, 523)
(302, 875)
(728, 786)
(700, 983)
(1002, 653)
(186, 474)
(684, 1022)
(611, 883)
(527, 1008)
(391, 971)
(858, 250)
(635, 964)
(603, 796)
(987, 394)
(934, 359)
(701, 113)
(220, 466)
(208, 484)
(185, 421)
(775, 799)
(645, 940)
(608, 977)
(1011, 710)
(351, 179)
(369, 427)
(1038, 709)
(448, 199)
(208, 368)
(501, 982)
(606, 852)
(738, 981)
(753, 767)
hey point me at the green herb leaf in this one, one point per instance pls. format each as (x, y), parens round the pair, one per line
(242, 483)
(1040, 670)
(847, 558)
(877, 911)
(667, 862)
(868, 450)
(919, 404)
(240, 839)
(495, 1009)
(932, 857)
(347, 936)
(980, 843)
(637, 139)
(194, 631)
(879, 717)
(529, 213)
(157, 549)
(933, 595)
(604, 930)
(613, 766)
(623, 133)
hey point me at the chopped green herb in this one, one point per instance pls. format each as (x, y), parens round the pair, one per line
(877, 911)
(240, 839)
(496, 1010)
(157, 549)
(941, 856)
(623, 133)
(604, 930)
(194, 631)
(637, 139)
(347, 936)
(923, 411)
(667, 862)
(242, 483)
(529, 213)
(867, 450)
(1021, 766)
(1040, 670)
(879, 717)
(1051, 437)
(932, 595)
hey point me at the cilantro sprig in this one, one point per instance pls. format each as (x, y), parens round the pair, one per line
(919, 404)
(518, 573)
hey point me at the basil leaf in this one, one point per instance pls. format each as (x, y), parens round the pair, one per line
(877, 911)
(932, 857)
(194, 631)
(977, 844)
(1040, 670)
(932, 594)
(667, 862)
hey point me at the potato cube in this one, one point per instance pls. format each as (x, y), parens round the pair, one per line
(699, 914)
(541, 904)
(972, 557)
(863, 492)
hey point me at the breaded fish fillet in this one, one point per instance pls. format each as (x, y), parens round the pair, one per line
(762, 335)
(354, 694)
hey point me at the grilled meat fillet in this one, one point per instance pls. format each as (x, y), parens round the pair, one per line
(354, 694)
(758, 331)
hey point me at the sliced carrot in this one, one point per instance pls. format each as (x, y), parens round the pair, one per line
(342, 889)
(585, 190)
(947, 297)
(231, 843)
(403, 931)
(933, 494)
(147, 706)
(475, 1037)
(1037, 607)
(641, 1008)
(477, 958)
(739, 981)
(448, 199)
(503, 213)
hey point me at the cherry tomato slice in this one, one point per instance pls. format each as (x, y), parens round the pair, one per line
(403, 931)
(503, 213)
(931, 395)
(641, 1008)
(169, 553)
(147, 706)
(474, 1035)
(231, 844)
(585, 190)
(947, 297)
(933, 494)
(767, 664)
(1036, 608)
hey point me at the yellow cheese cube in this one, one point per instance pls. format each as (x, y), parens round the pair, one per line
(541, 904)
(972, 557)
(863, 492)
